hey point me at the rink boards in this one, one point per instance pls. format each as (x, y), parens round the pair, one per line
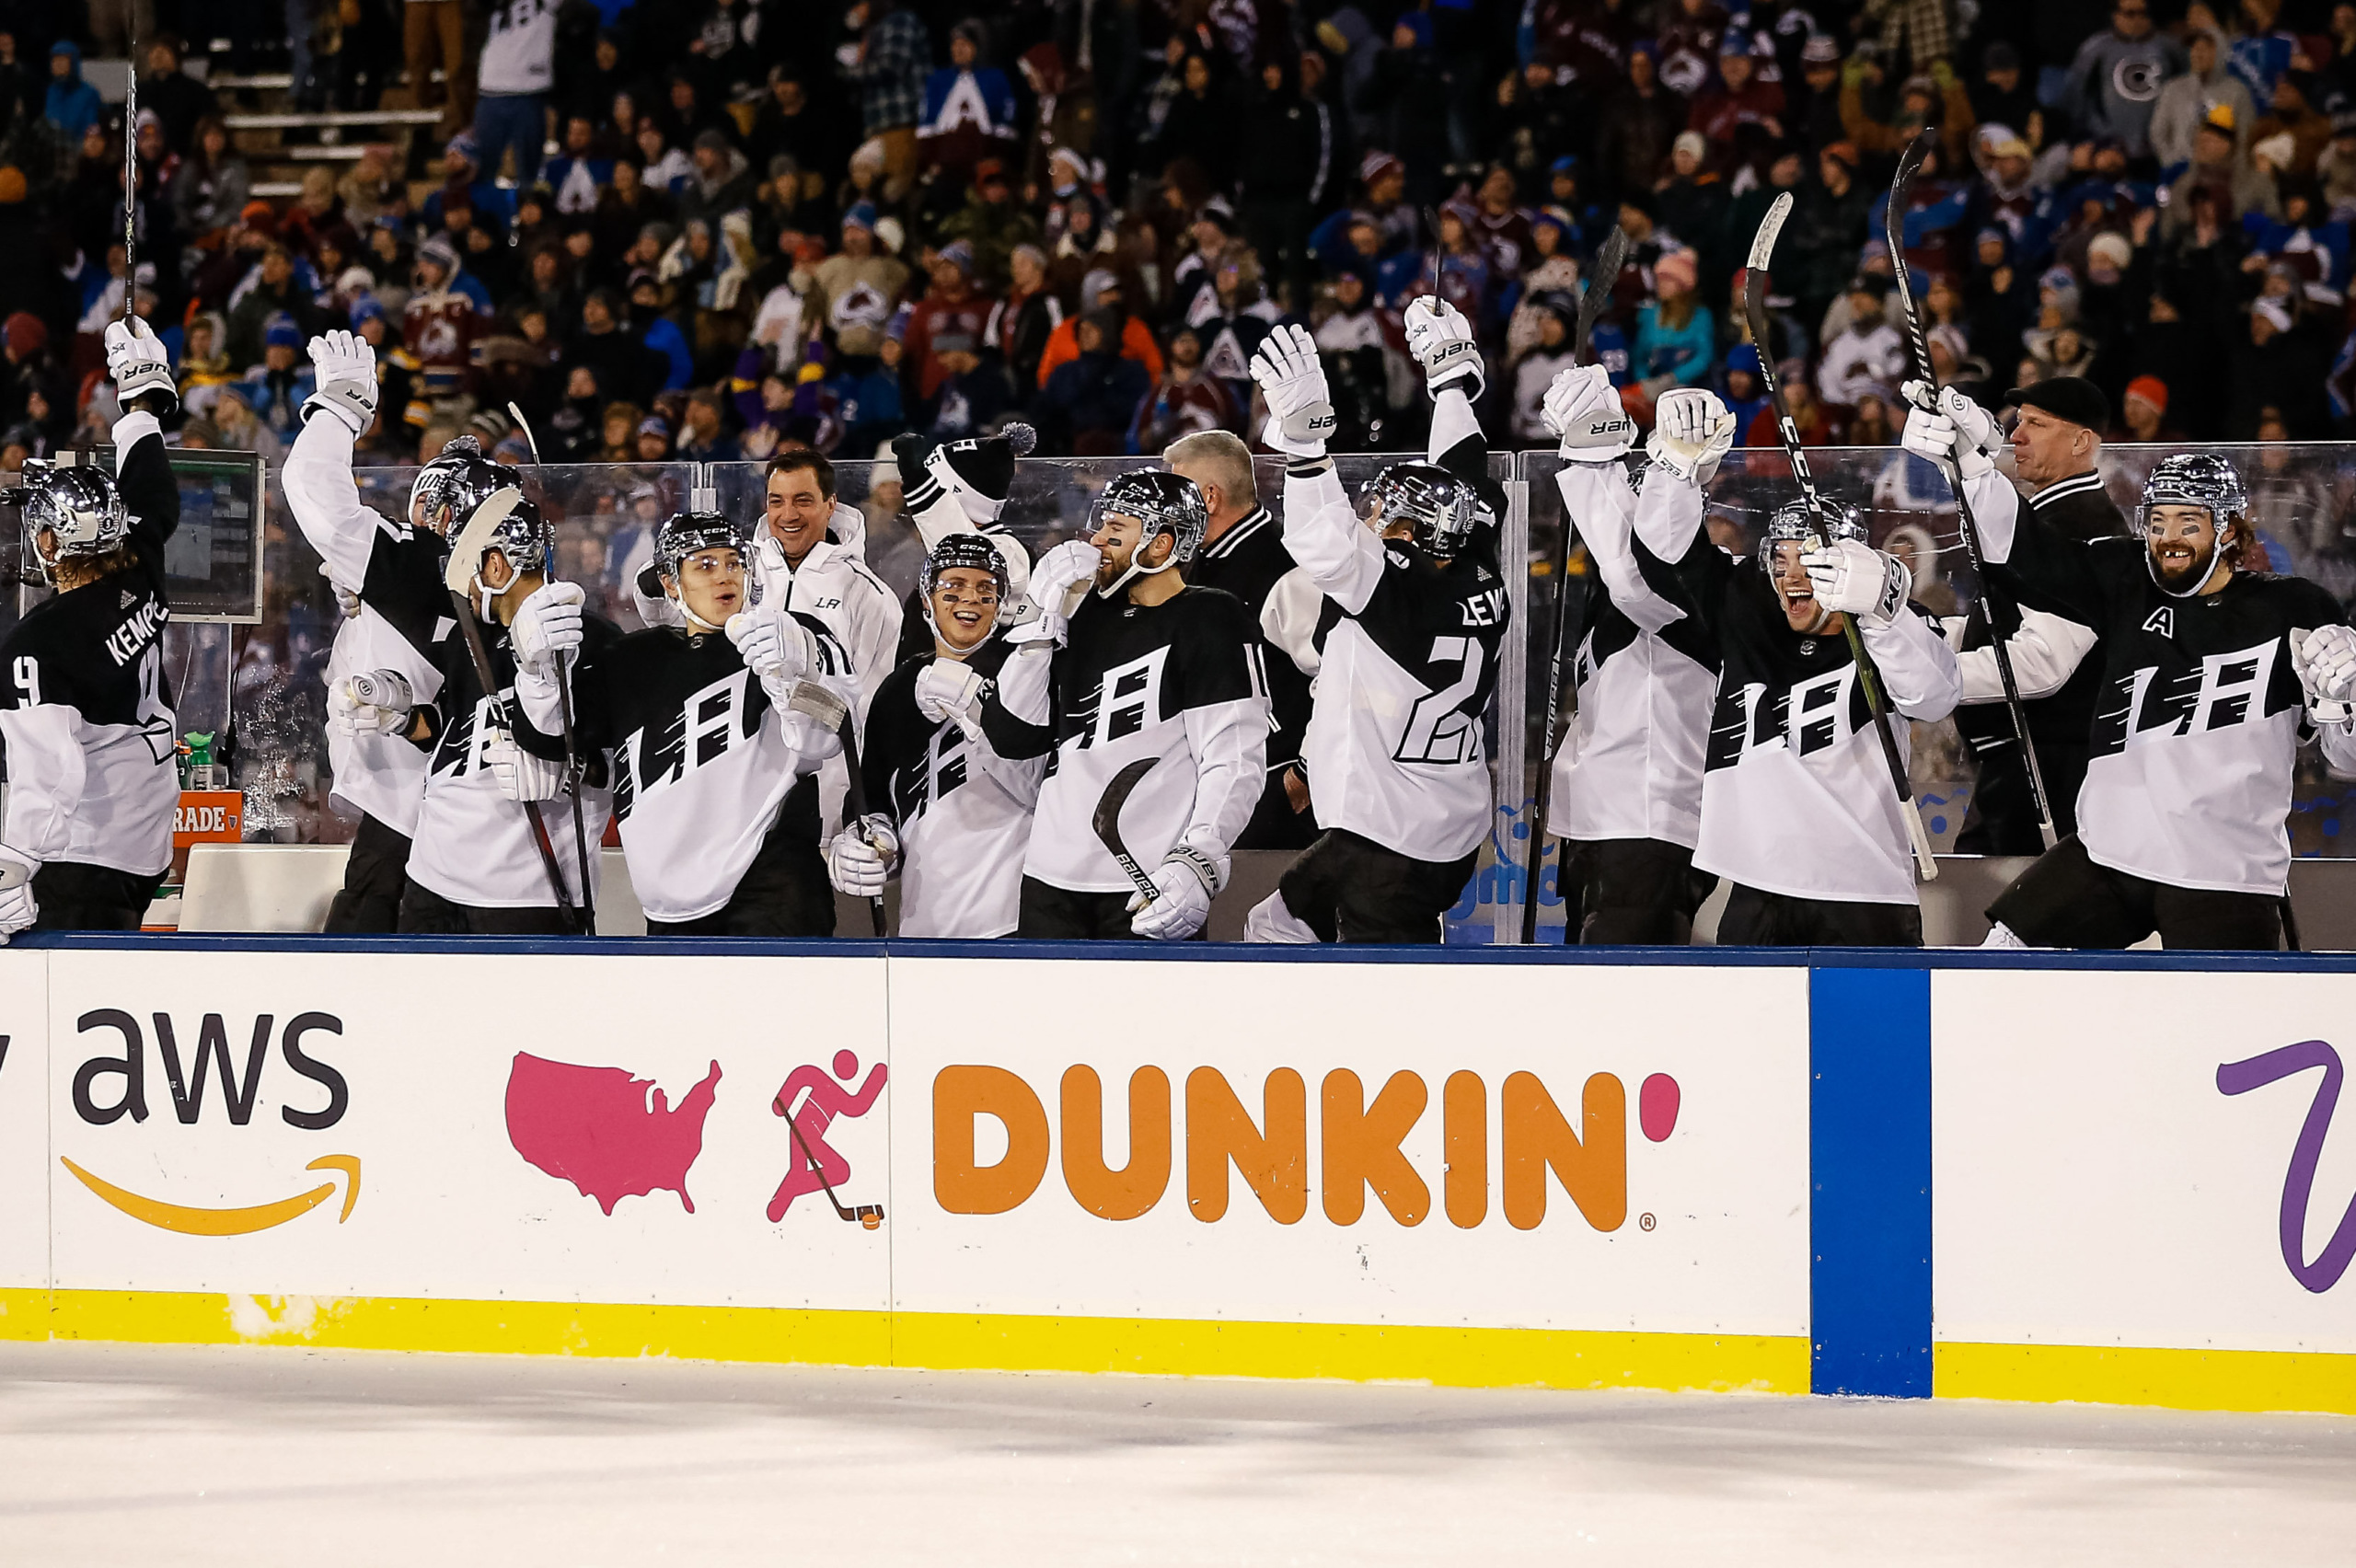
(2055, 1178)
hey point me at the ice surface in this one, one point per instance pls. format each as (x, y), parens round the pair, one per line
(256, 1458)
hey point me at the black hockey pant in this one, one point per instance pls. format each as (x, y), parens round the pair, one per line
(76, 896)
(374, 877)
(1350, 889)
(2067, 901)
(1754, 918)
(427, 914)
(784, 892)
(1058, 914)
(1639, 891)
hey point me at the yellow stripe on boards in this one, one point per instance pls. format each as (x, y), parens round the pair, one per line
(1454, 1356)
(2179, 1380)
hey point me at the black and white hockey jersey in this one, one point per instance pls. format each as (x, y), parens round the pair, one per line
(1645, 671)
(1407, 665)
(2197, 729)
(1179, 682)
(961, 805)
(699, 763)
(404, 611)
(87, 726)
(1796, 797)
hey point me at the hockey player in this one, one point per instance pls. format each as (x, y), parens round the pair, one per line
(1243, 552)
(1627, 800)
(1797, 806)
(389, 576)
(2211, 669)
(952, 776)
(1407, 639)
(713, 775)
(961, 486)
(1145, 668)
(86, 712)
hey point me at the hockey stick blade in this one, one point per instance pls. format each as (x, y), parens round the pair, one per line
(467, 550)
(1762, 244)
(526, 426)
(1609, 257)
(815, 701)
(870, 1216)
(1107, 824)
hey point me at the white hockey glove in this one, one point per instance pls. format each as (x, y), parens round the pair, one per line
(1583, 408)
(522, 775)
(2324, 661)
(1300, 411)
(136, 361)
(548, 624)
(1954, 429)
(1691, 431)
(947, 689)
(1069, 565)
(774, 646)
(1185, 882)
(858, 862)
(1442, 342)
(373, 702)
(345, 368)
(1853, 578)
(18, 909)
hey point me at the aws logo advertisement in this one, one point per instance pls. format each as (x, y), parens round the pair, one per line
(200, 1068)
(1358, 1149)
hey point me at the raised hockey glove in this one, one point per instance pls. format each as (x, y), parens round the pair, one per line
(858, 862)
(18, 909)
(1583, 408)
(2324, 661)
(548, 624)
(136, 361)
(1951, 427)
(373, 702)
(1853, 578)
(1442, 342)
(345, 368)
(1185, 884)
(522, 775)
(1691, 431)
(1069, 565)
(1300, 411)
(947, 689)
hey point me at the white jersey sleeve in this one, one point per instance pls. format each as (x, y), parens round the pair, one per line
(1341, 555)
(46, 774)
(324, 501)
(2046, 648)
(1919, 673)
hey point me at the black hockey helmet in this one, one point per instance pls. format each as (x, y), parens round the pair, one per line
(78, 506)
(2203, 479)
(685, 533)
(970, 552)
(525, 539)
(1162, 503)
(459, 479)
(1794, 521)
(1439, 509)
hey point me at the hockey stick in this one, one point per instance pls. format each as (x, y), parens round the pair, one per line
(457, 574)
(131, 171)
(1892, 226)
(1107, 823)
(1609, 257)
(1754, 304)
(815, 701)
(869, 1215)
(576, 770)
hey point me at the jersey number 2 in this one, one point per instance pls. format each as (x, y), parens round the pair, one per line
(1437, 732)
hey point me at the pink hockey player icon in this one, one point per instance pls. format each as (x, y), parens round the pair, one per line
(810, 1100)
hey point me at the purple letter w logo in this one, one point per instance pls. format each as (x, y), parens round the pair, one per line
(2240, 1077)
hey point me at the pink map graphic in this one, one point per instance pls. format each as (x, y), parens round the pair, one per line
(599, 1128)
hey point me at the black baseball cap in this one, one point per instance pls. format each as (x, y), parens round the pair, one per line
(2071, 398)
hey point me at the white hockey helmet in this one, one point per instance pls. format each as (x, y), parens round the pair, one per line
(1439, 509)
(78, 507)
(1794, 521)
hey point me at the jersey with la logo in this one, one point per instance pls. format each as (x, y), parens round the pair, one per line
(2196, 732)
(473, 845)
(1179, 682)
(961, 807)
(87, 726)
(700, 761)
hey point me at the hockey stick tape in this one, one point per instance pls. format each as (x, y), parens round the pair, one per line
(467, 550)
(14, 875)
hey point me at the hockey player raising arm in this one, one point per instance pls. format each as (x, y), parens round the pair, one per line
(1413, 612)
(952, 776)
(1627, 789)
(389, 577)
(712, 772)
(1798, 807)
(2210, 672)
(86, 714)
(1145, 669)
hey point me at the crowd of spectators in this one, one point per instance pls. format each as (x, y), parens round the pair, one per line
(705, 229)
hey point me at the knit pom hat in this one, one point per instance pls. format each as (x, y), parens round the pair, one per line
(977, 471)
